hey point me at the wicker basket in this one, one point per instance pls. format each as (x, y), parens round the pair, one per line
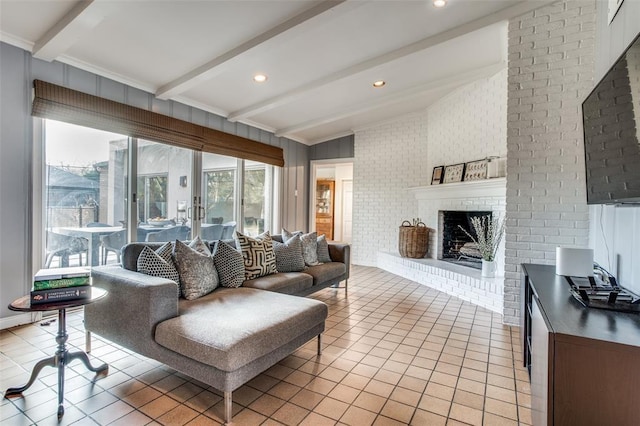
(413, 240)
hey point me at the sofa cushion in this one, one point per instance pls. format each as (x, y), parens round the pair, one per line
(158, 263)
(231, 327)
(229, 265)
(326, 272)
(282, 282)
(289, 255)
(323, 249)
(258, 255)
(198, 274)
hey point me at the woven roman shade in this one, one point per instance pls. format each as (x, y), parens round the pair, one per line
(71, 106)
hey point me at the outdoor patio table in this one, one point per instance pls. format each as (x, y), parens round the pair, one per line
(92, 234)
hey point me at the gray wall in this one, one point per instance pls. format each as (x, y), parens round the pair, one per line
(17, 71)
(336, 148)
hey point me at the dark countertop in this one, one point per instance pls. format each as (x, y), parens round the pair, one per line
(565, 315)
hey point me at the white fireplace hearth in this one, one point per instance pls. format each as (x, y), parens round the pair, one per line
(460, 281)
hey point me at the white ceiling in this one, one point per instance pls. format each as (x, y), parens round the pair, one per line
(321, 57)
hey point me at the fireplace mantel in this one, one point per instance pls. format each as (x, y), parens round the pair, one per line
(496, 187)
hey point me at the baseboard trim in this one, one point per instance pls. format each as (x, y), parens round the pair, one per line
(20, 319)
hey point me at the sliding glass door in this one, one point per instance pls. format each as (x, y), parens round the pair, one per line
(85, 207)
(91, 212)
(164, 192)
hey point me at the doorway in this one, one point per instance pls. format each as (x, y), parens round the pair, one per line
(332, 198)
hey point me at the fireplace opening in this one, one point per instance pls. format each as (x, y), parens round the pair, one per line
(457, 247)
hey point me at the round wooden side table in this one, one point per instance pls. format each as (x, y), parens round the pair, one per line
(62, 356)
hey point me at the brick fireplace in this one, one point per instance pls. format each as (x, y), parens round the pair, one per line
(480, 197)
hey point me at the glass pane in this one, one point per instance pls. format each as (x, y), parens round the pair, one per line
(218, 196)
(85, 195)
(255, 197)
(163, 192)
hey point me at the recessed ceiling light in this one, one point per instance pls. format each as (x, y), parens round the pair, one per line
(259, 78)
(379, 83)
(439, 3)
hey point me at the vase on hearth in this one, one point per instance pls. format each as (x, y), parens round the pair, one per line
(488, 268)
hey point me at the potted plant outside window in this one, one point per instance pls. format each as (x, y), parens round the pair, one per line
(488, 234)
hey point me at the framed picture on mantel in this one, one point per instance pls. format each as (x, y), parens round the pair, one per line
(453, 173)
(436, 177)
(475, 170)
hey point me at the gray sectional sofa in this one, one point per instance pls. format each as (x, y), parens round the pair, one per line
(223, 339)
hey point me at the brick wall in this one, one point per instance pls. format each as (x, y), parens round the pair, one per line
(551, 63)
(470, 123)
(388, 159)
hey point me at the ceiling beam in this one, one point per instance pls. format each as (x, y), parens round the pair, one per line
(506, 13)
(83, 17)
(418, 90)
(216, 65)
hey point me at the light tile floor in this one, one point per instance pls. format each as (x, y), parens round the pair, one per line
(395, 353)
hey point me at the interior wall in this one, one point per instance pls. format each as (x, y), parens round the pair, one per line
(551, 62)
(614, 231)
(469, 124)
(388, 159)
(18, 69)
(333, 149)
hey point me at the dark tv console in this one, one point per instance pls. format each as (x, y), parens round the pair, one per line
(583, 363)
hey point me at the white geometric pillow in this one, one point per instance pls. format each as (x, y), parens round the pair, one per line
(258, 255)
(158, 263)
(289, 255)
(310, 248)
(229, 264)
(323, 249)
(198, 274)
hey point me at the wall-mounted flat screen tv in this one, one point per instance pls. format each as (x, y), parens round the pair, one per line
(611, 119)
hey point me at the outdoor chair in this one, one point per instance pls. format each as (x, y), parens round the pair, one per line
(63, 246)
(211, 233)
(112, 243)
(227, 230)
(169, 234)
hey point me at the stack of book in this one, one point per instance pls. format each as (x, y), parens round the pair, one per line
(61, 285)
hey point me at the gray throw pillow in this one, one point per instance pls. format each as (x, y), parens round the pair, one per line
(229, 264)
(289, 255)
(158, 263)
(286, 235)
(310, 248)
(257, 253)
(198, 274)
(200, 246)
(323, 249)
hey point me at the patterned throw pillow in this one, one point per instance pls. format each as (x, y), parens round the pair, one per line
(200, 246)
(158, 263)
(198, 274)
(286, 235)
(258, 255)
(229, 264)
(289, 255)
(310, 248)
(323, 249)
